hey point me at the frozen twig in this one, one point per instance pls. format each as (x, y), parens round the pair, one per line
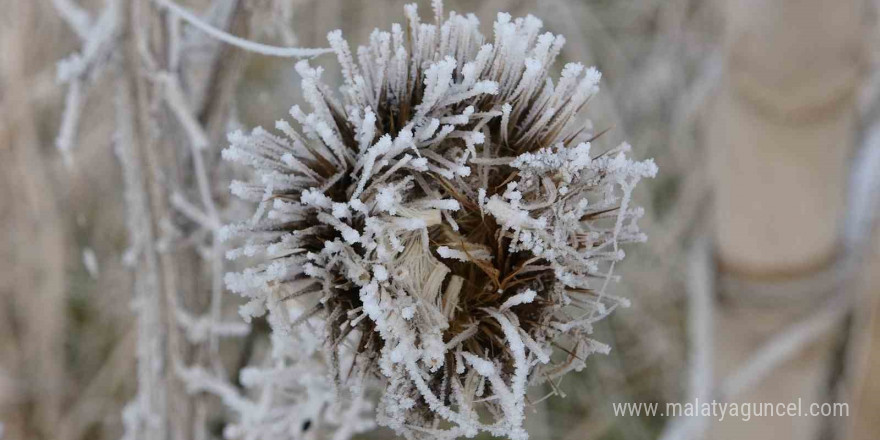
(77, 69)
(76, 17)
(69, 120)
(200, 328)
(701, 311)
(782, 347)
(176, 100)
(251, 46)
(197, 379)
(768, 357)
(198, 142)
(194, 213)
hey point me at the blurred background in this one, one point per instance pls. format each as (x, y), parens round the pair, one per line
(760, 281)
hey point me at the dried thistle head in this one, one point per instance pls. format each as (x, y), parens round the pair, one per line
(439, 222)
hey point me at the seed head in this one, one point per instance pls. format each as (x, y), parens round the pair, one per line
(439, 223)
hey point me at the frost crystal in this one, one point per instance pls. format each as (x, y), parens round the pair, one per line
(436, 225)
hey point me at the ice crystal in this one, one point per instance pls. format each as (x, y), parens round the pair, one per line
(438, 224)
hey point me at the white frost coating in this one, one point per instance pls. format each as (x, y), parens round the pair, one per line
(341, 211)
(90, 261)
(520, 298)
(470, 255)
(380, 272)
(313, 197)
(512, 217)
(387, 200)
(482, 366)
(445, 192)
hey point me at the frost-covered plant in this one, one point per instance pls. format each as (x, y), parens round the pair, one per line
(439, 225)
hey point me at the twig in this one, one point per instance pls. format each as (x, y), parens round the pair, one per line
(69, 120)
(198, 142)
(176, 101)
(782, 347)
(251, 46)
(700, 319)
(98, 44)
(768, 357)
(75, 16)
(193, 213)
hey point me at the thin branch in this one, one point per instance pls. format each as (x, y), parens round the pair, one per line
(782, 347)
(69, 120)
(251, 46)
(75, 16)
(176, 101)
(701, 310)
(193, 213)
(767, 358)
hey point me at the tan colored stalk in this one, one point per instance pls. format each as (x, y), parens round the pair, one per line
(780, 133)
